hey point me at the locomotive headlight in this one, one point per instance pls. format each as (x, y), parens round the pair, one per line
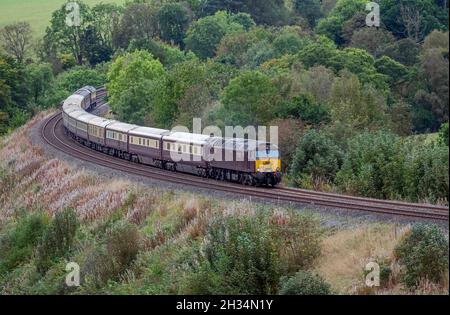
(258, 170)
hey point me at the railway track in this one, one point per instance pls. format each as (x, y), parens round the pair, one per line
(52, 133)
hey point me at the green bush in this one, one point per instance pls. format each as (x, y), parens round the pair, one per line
(424, 254)
(305, 283)
(58, 239)
(18, 244)
(443, 134)
(316, 155)
(106, 262)
(238, 257)
(123, 243)
(298, 241)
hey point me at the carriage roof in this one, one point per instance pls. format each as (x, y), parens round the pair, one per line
(121, 127)
(149, 132)
(185, 137)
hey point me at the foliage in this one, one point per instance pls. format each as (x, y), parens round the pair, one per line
(413, 18)
(58, 239)
(16, 39)
(135, 81)
(249, 99)
(316, 156)
(239, 257)
(205, 34)
(383, 166)
(64, 38)
(305, 283)
(357, 106)
(173, 20)
(394, 70)
(332, 25)
(309, 9)
(272, 12)
(443, 134)
(424, 253)
(18, 244)
(305, 107)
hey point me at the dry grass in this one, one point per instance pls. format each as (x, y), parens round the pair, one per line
(346, 253)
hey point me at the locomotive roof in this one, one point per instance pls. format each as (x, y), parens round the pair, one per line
(121, 127)
(83, 92)
(149, 132)
(238, 144)
(186, 137)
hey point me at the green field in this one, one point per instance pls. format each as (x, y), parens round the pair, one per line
(36, 12)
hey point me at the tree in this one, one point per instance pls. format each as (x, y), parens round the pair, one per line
(16, 39)
(135, 81)
(287, 43)
(317, 157)
(205, 34)
(138, 21)
(94, 50)
(289, 133)
(344, 10)
(357, 106)
(173, 21)
(309, 9)
(414, 19)
(191, 87)
(393, 69)
(40, 79)
(405, 51)
(77, 77)
(424, 253)
(437, 39)
(67, 38)
(373, 166)
(371, 39)
(105, 19)
(305, 107)
(435, 68)
(250, 99)
(272, 12)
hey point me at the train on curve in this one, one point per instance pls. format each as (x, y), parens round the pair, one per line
(244, 161)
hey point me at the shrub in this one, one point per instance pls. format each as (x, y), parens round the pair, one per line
(443, 134)
(58, 239)
(305, 283)
(123, 244)
(238, 257)
(318, 156)
(108, 261)
(18, 245)
(298, 240)
(424, 254)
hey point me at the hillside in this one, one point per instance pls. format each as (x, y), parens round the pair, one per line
(152, 241)
(36, 12)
